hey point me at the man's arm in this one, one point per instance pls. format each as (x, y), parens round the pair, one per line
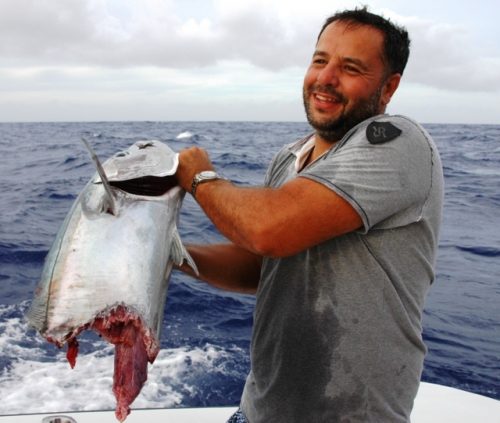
(267, 221)
(226, 266)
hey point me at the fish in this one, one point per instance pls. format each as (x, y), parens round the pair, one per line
(109, 266)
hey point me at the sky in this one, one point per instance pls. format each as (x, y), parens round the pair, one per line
(229, 60)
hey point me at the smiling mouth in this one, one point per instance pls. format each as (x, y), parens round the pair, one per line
(326, 95)
(327, 102)
(326, 98)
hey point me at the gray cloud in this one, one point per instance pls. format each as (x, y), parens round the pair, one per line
(85, 33)
(443, 56)
(31, 30)
(61, 32)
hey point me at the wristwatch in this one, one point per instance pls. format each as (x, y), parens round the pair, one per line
(201, 177)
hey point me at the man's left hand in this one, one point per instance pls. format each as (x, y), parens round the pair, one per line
(192, 161)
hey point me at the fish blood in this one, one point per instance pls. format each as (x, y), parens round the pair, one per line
(124, 329)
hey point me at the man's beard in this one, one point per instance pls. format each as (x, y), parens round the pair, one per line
(334, 129)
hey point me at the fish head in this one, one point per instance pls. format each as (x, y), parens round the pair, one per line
(144, 158)
(146, 169)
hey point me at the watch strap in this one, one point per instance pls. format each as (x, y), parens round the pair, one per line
(201, 177)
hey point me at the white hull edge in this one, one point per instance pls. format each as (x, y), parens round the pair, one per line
(434, 403)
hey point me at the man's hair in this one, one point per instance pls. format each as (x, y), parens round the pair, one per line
(396, 47)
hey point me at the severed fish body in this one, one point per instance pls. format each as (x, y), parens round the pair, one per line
(109, 265)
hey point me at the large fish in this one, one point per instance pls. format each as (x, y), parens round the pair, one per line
(109, 265)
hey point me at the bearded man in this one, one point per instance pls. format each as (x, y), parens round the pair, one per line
(339, 245)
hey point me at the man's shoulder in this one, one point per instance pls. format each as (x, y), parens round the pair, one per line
(384, 128)
(394, 126)
(395, 119)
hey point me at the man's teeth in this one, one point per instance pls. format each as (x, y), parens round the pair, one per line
(323, 98)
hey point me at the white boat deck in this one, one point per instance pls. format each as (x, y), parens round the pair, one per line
(434, 403)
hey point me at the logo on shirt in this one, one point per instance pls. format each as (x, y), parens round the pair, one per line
(380, 132)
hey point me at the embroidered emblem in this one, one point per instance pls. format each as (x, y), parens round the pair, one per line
(380, 132)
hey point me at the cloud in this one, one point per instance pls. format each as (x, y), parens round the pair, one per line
(271, 35)
(443, 56)
(150, 32)
(31, 29)
(98, 59)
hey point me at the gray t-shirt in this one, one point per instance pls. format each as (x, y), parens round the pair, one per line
(337, 327)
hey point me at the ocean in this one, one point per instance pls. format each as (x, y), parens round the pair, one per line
(206, 332)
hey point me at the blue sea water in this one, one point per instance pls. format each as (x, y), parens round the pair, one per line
(206, 332)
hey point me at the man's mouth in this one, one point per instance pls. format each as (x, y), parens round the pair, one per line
(326, 98)
(327, 102)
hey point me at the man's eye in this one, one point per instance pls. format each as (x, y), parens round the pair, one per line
(351, 69)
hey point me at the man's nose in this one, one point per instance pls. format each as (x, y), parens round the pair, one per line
(329, 75)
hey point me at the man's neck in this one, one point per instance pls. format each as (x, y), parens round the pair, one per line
(321, 146)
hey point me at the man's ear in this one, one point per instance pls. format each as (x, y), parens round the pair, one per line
(389, 88)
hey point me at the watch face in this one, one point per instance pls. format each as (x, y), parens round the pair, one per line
(207, 174)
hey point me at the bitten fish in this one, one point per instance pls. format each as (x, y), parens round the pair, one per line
(109, 265)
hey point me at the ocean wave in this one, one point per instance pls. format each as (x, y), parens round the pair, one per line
(35, 376)
(31, 385)
(185, 135)
(483, 251)
(19, 256)
(235, 323)
(55, 193)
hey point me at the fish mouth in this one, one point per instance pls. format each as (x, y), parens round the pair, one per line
(149, 186)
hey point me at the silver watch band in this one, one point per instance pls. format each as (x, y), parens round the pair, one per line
(201, 177)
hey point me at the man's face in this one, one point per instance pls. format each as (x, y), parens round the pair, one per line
(344, 84)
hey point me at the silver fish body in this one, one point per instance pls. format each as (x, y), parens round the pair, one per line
(113, 254)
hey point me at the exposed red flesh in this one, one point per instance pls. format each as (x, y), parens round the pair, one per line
(131, 370)
(72, 352)
(125, 330)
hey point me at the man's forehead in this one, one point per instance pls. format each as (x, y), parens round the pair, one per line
(355, 40)
(341, 29)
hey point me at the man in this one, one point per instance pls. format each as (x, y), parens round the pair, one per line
(340, 244)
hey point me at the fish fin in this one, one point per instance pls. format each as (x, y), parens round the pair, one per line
(37, 315)
(110, 204)
(179, 254)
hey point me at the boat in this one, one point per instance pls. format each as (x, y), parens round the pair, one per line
(434, 403)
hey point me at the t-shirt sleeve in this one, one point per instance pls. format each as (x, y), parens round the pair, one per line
(387, 183)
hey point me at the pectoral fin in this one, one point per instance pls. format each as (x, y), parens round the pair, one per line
(179, 253)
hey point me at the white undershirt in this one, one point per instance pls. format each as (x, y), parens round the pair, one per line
(303, 154)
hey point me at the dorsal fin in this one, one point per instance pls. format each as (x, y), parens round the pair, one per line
(110, 207)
